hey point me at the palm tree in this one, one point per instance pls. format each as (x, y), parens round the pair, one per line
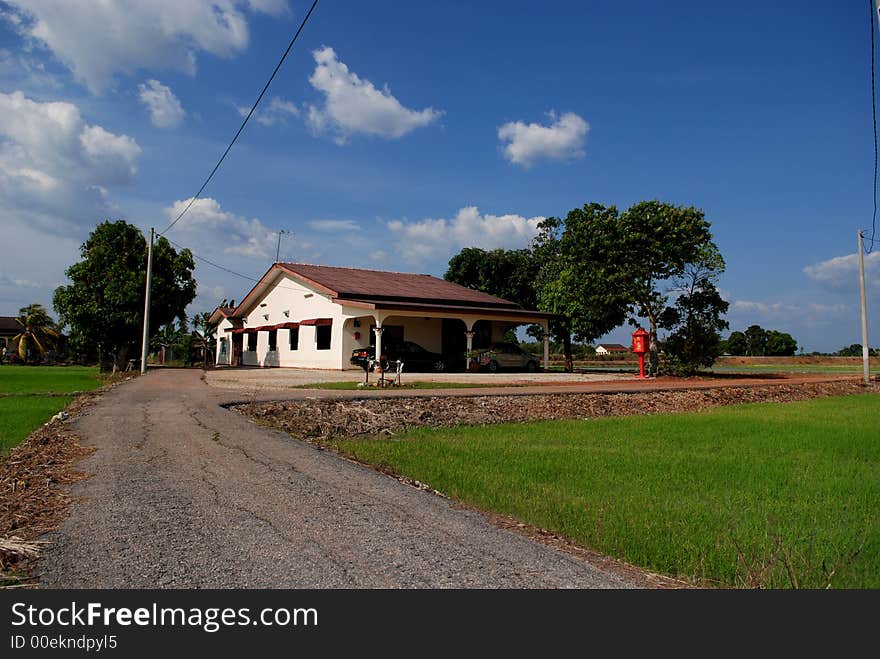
(206, 333)
(167, 337)
(37, 330)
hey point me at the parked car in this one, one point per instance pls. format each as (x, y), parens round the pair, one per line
(507, 356)
(413, 356)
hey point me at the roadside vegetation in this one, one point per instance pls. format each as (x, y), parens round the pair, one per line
(758, 495)
(31, 395)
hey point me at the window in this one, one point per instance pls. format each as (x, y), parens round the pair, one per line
(322, 337)
(252, 341)
(294, 338)
(273, 340)
(222, 346)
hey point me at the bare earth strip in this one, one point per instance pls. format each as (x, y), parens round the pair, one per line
(187, 494)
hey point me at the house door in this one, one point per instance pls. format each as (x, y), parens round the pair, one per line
(236, 349)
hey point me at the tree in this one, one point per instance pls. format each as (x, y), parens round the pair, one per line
(696, 318)
(579, 279)
(514, 275)
(657, 242)
(206, 333)
(737, 344)
(104, 303)
(780, 344)
(756, 341)
(508, 274)
(38, 331)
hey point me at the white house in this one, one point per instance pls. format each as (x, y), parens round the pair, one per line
(611, 349)
(314, 316)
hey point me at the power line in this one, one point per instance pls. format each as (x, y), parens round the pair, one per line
(872, 8)
(243, 123)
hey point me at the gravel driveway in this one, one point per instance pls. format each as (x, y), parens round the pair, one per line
(187, 494)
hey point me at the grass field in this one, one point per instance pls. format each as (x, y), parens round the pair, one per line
(776, 495)
(19, 415)
(47, 379)
(22, 408)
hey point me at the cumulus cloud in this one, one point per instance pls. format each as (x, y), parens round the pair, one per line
(206, 223)
(808, 314)
(433, 238)
(842, 271)
(54, 167)
(334, 225)
(563, 139)
(164, 107)
(354, 105)
(97, 40)
(277, 110)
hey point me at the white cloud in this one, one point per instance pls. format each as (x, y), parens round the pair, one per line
(277, 110)
(842, 271)
(207, 224)
(54, 167)
(440, 238)
(354, 105)
(809, 314)
(164, 107)
(97, 40)
(331, 226)
(563, 139)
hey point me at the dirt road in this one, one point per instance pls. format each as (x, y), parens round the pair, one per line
(187, 494)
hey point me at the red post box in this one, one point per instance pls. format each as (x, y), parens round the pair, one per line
(640, 347)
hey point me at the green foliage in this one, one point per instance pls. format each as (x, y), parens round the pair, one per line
(855, 350)
(508, 274)
(696, 319)
(104, 303)
(37, 334)
(580, 280)
(708, 495)
(736, 344)
(759, 342)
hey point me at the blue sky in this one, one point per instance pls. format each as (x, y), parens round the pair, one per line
(397, 133)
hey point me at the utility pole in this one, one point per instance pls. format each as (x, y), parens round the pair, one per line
(145, 344)
(278, 248)
(866, 367)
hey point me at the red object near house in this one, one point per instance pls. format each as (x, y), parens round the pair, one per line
(640, 347)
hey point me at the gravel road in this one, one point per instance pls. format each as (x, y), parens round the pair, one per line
(187, 494)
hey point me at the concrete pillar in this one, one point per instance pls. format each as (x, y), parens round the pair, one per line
(469, 335)
(546, 351)
(378, 331)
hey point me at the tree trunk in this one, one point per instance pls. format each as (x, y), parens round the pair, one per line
(566, 349)
(654, 348)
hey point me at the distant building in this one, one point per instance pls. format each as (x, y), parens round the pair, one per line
(9, 328)
(611, 349)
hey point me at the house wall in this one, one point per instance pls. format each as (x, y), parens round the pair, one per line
(300, 303)
(223, 359)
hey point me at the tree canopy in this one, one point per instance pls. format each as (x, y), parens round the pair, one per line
(759, 342)
(104, 304)
(38, 332)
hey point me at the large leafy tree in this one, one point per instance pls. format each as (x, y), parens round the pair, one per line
(737, 344)
(780, 344)
(509, 274)
(657, 241)
(37, 332)
(104, 304)
(579, 278)
(696, 319)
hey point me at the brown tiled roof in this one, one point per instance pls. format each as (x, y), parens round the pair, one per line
(428, 307)
(9, 324)
(356, 283)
